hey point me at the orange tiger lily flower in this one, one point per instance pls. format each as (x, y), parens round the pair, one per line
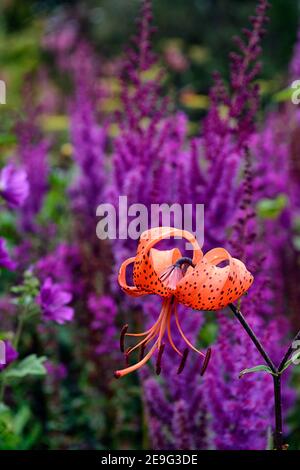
(198, 283)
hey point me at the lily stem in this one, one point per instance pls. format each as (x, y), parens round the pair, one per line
(240, 317)
(278, 437)
(278, 434)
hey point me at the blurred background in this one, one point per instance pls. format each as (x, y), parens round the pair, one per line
(200, 31)
(70, 123)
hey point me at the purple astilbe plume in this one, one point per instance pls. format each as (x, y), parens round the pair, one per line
(54, 302)
(275, 178)
(236, 422)
(159, 413)
(14, 188)
(32, 153)
(271, 175)
(63, 265)
(61, 38)
(88, 135)
(149, 159)
(264, 306)
(248, 238)
(157, 437)
(240, 410)
(177, 405)
(244, 70)
(104, 312)
(181, 425)
(280, 141)
(82, 266)
(10, 354)
(5, 259)
(226, 137)
(89, 139)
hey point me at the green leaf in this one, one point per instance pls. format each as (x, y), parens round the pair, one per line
(283, 95)
(260, 368)
(271, 208)
(295, 357)
(31, 365)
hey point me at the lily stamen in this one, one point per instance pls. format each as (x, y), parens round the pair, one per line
(122, 338)
(158, 361)
(142, 352)
(206, 361)
(183, 361)
(183, 335)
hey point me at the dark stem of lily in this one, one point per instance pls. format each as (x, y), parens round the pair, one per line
(253, 337)
(278, 434)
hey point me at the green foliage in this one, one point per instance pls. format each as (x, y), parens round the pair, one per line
(260, 368)
(293, 360)
(18, 429)
(55, 204)
(26, 292)
(272, 208)
(31, 365)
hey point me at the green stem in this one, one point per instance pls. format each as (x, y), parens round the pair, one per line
(18, 333)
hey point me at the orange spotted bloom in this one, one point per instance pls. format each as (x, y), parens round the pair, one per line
(198, 282)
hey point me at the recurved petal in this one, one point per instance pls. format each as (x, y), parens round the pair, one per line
(211, 287)
(130, 290)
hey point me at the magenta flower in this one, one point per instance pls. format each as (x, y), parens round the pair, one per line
(5, 259)
(14, 186)
(10, 354)
(53, 302)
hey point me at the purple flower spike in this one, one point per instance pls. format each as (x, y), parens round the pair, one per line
(53, 301)
(5, 259)
(10, 354)
(14, 186)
